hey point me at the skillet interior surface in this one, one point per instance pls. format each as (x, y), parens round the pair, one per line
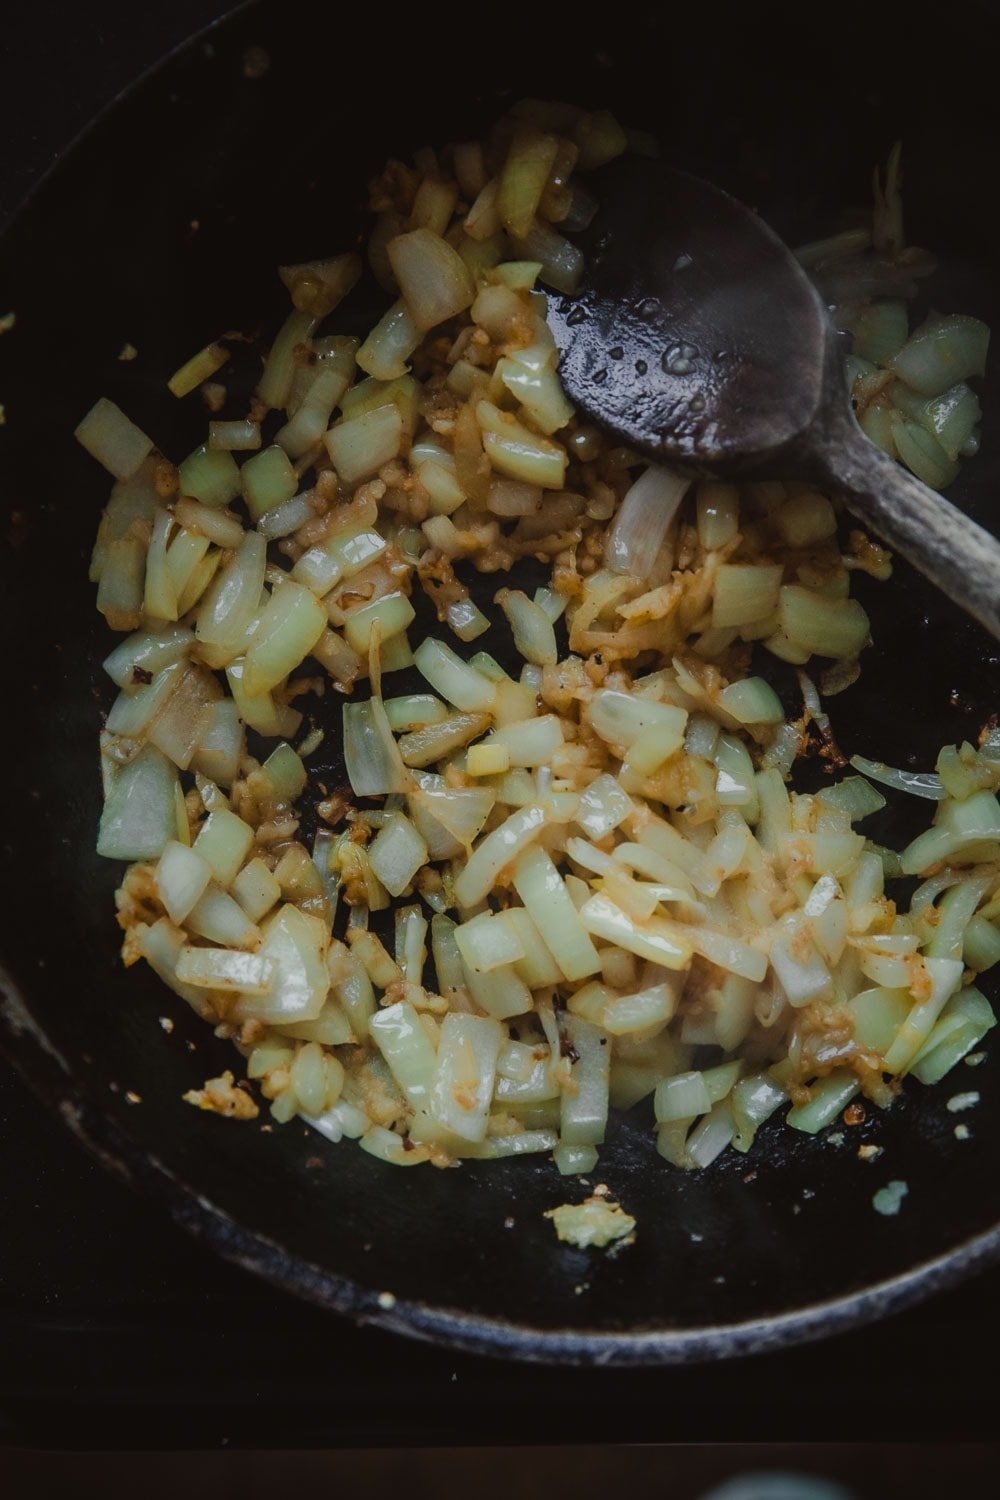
(162, 228)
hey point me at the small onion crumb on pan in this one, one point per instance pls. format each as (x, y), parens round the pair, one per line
(575, 887)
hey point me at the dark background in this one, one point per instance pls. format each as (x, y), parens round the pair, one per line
(119, 1331)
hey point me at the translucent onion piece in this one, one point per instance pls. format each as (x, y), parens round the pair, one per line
(432, 277)
(373, 762)
(109, 436)
(641, 525)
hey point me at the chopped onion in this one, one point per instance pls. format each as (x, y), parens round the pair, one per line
(920, 784)
(465, 1074)
(453, 678)
(109, 436)
(515, 450)
(612, 824)
(941, 353)
(387, 348)
(360, 445)
(242, 436)
(531, 627)
(373, 761)
(290, 625)
(200, 367)
(641, 525)
(530, 159)
(209, 475)
(432, 277)
(397, 853)
(139, 816)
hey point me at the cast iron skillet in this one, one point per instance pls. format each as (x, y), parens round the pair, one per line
(162, 228)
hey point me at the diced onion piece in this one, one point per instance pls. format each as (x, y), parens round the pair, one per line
(222, 969)
(711, 1136)
(454, 679)
(139, 818)
(414, 711)
(489, 942)
(220, 526)
(319, 286)
(387, 348)
(435, 741)
(407, 1049)
(210, 475)
(286, 773)
(655, 940)
(603, 806)
(682, 1097)
(467, 620)
(109, 436)
(498, 849)
(290, 625)
(295, 944)
(358, 446)
(805, 519)
(340, 556)
(241, 436)
(391, 614)
(923, 454)
(397, 853)
(620, 718)
(256, 889)
(149, 651)
(221, 920)
(583, 1115)
(489, 759)
(528, 742)
(495, 1147)
(561, 261)
(942, 352)
(224, 842)
(279, 368)
(752, 701)
(952, 418)
(515, 450)
(179, 726)
(921, 784)
(829, 1096)
(259, 711)
(529, 162)
(643, 520)
(432, 277)
(823, 625)
(754, 1100)
(268, 480)
(200, 367)
(465, 1074)
(963, 1023)
(718, 512)
(539, 392)
(331, 376)
(541, 888)
(459, 811)
(745, 593)
(122, 583)
(531, 627)
(374, 767)
(801, 972)
(631, 1013)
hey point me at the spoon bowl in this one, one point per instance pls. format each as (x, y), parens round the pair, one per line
(698, 339)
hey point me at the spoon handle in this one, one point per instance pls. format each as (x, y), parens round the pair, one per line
(935, 536)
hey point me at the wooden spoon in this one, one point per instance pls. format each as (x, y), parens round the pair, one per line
(698, 339)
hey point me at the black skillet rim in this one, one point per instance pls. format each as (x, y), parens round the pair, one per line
(24, 1045)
